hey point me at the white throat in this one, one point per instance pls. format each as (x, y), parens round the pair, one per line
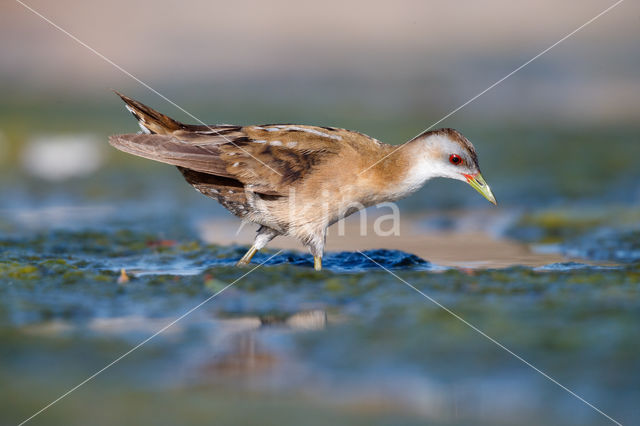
(425, 164)
(421, 171)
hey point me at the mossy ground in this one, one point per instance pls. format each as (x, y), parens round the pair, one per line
(384, 348)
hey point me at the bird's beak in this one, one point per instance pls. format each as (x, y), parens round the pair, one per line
(479, 184)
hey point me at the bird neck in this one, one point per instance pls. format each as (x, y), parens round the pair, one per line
(406, 169)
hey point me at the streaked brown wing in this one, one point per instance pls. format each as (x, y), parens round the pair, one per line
(265, 159)
(171, 150)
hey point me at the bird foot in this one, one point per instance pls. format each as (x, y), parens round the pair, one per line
(317, 263)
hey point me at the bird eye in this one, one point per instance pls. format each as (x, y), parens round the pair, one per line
(455, 159)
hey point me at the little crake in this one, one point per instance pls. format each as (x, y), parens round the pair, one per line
(298, 180)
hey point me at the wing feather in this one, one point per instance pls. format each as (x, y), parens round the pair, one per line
(267, 159)
(170, 150)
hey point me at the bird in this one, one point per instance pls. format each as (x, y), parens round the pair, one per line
(297, 180)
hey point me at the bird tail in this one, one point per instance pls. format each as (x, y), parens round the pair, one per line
(150, 120)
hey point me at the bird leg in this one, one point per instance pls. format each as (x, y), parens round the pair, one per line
(262, 239)
(316, 247)
(246, 259)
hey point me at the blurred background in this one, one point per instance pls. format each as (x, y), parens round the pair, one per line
(389, 71)
(558, 142)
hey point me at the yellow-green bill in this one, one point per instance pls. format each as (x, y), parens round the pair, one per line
(479, 184)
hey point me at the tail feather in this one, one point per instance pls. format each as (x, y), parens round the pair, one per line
(150, 120)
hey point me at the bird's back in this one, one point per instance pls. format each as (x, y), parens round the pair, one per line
(235, 164)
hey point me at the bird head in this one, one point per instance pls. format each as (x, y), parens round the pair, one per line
(451, 155)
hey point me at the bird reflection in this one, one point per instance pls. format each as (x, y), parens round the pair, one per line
(246, 353)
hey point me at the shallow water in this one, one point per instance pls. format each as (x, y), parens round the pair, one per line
(350, 344)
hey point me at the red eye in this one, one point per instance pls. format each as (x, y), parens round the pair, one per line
(455, 159)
